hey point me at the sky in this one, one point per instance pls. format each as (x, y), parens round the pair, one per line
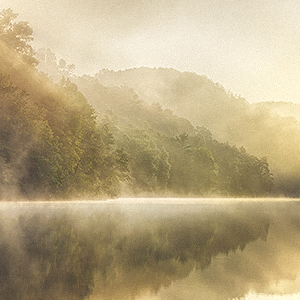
(251, 47)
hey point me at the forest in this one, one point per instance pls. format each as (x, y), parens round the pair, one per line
(138, 132)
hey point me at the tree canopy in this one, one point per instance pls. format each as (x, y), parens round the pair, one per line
(17, 35)
(51, 145)
(79, 138)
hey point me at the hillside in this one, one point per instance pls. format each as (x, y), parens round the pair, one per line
(168, 154)
(75, 137)
(261, 130)
(56, 142)
(50, 144)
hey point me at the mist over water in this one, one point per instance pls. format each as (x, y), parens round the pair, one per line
(115, 134)
(149, 249)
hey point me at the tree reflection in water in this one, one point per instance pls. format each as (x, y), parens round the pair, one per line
(153, 250)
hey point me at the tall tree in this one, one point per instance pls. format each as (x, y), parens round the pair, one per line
(17, 35)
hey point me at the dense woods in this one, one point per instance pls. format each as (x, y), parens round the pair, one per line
(50, 142)
(113, 185)
(73, 136)
(194, 162)
(264, 129)
(52, 145)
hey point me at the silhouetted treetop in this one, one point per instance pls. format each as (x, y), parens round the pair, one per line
(17, 35)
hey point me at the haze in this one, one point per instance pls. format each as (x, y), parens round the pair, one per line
(250, 47)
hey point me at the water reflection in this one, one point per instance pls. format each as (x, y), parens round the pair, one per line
(148, 249)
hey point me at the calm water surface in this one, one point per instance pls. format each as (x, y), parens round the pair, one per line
(150, 249)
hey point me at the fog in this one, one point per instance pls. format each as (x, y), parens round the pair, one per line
(200, 100)
(249, 47)
(149, 249)
(264, 129)
(268, 268)
(53, 146)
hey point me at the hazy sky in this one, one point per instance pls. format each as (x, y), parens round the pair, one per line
(251, 47)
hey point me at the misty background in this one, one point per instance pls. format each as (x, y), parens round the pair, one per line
(141, 130)
(250, 47)
(149, 127)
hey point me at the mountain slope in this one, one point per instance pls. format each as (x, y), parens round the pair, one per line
(230, 118)
(50, 143)
(169, 153)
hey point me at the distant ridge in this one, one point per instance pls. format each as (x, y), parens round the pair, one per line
(261, 128)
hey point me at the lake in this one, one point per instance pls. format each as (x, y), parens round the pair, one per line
(150, 249)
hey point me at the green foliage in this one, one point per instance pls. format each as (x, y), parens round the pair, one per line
(167, 154)
(64, 152)
(17, 35)
(193, 168)
(149, 166)
(239, 173)
(163, 169)
(265, 129)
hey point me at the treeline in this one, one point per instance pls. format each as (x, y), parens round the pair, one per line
(55, 144)
(167, 154)
(50, 142)
(264, 129)
(51, 146)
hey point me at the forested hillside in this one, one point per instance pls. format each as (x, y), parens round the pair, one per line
(79, 138)
(50, 142)
(264, 130)
(168, 153)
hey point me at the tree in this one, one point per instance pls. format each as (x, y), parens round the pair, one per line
(17, 35)
(163, 170)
